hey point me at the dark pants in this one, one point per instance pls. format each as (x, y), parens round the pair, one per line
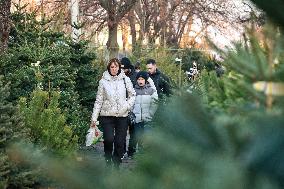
(114, 133)
(131, 135)
(136, 134)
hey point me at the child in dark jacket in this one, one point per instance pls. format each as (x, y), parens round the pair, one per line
(144, 109)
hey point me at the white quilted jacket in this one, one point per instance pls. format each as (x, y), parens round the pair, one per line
(111, 96)
(145, 103)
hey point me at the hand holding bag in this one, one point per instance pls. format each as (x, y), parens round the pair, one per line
(93, 136)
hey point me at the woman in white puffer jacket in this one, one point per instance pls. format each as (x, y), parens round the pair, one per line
(144, 108)
(115, 98)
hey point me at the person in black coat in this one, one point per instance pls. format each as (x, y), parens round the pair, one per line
(161, 81)
(128, 69)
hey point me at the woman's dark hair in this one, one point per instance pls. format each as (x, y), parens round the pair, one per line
(115, 61)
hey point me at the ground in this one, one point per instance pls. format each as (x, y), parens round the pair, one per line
(96, 153)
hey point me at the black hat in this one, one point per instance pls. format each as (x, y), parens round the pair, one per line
(137, 65)
(125, 63)
(142, 74)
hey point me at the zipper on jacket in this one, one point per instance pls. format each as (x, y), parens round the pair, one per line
(141, 107)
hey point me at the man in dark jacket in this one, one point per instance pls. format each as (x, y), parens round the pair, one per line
(128, 69)
(161, 81)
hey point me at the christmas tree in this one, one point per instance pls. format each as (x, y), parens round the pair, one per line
(228, 134)
(11, 130)
(39, 57)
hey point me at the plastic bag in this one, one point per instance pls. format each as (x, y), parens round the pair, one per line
(93, 136)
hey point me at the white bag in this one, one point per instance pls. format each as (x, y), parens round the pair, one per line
(93, 136)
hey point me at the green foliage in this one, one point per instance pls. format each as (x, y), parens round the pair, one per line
(226, 92)
(190, 147)
(196, 143)
(12, 175)
(273, 9)
(259, 61)
(47, 124)
(262, 61)
(165, 59)
(64, 66)
(10, 122)
(224, 137)
(88, 74)
(199, 56)
(247, 122)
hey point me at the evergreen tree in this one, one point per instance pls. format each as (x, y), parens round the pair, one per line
(231, 137)
(11, 130)
(48, 127)
(38, 57)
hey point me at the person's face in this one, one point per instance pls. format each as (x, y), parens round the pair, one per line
(151, 68)
(114, 69)
(126, 71)
(141, 81)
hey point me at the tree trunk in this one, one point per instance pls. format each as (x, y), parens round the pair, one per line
(112, 44)
(125, 34)
(132, 22)
(116, 10)
(133, 37)
(76, 31)
(5, 6)
(163, 22)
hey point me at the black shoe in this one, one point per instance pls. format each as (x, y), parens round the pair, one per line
(124, 156)
(130, 153)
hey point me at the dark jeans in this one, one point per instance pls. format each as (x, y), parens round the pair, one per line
(114, 133)
(131, 133)
(136, 134)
